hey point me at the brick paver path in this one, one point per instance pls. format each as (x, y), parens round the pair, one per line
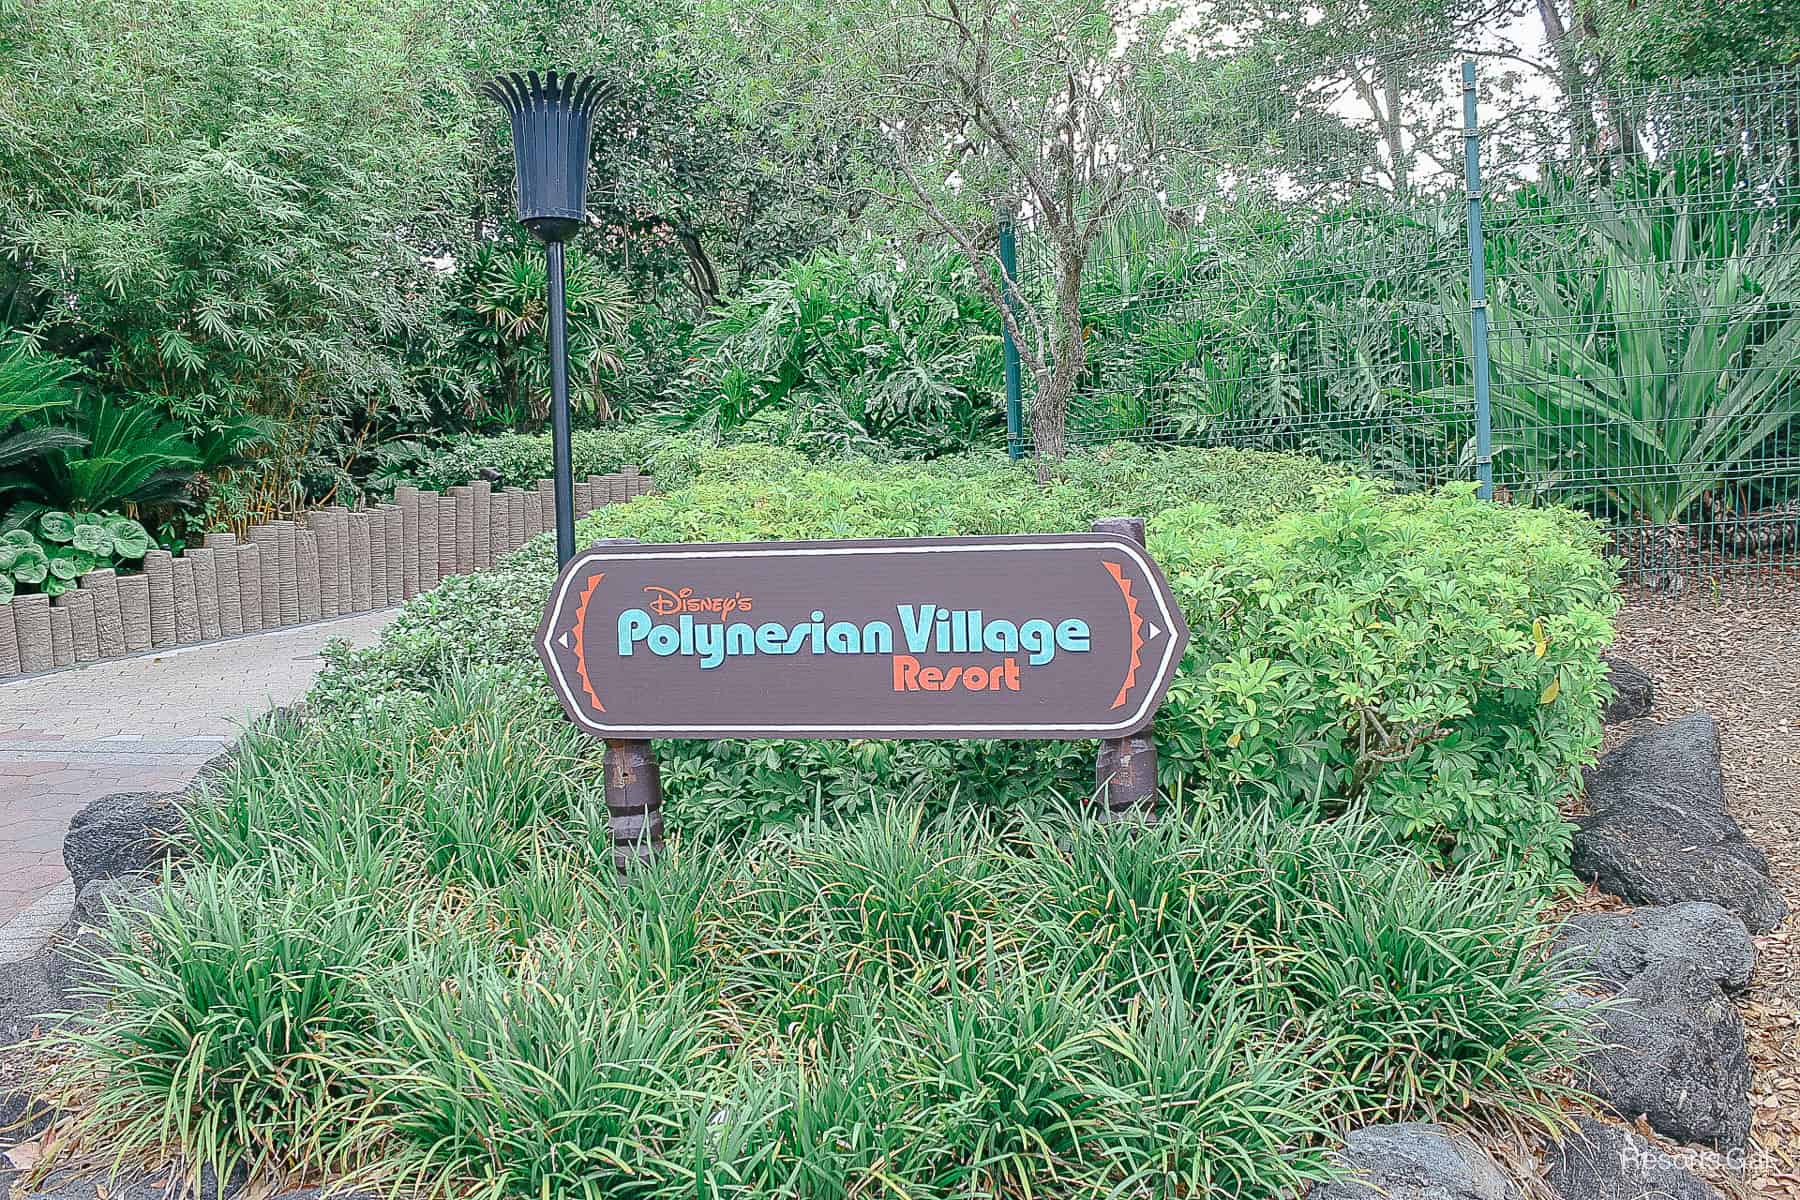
(146, 723)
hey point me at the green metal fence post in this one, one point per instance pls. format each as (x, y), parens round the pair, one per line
(1009, 270)
(1478, 311)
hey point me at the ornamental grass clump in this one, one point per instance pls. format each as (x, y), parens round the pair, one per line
(933, 998)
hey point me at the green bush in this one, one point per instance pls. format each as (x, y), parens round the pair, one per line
(855, 350)
(1016, 1002)
(1435, 659)
(521, 459)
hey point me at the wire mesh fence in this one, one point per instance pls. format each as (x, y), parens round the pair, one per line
(1307, 286)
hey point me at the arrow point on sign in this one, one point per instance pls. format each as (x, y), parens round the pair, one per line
(565, 640)
(1153, 632)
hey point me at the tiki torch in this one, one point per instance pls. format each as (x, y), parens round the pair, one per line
(552, 124)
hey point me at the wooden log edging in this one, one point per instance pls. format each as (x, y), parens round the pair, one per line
(334, 562)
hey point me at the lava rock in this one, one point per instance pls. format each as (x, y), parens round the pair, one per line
(1697, 939)
(83, 940)
(122, 834)
(22, 1116)
(26, 993)
(127, 894)
(1673, 773)
(1415, 1162)
(1671, 1050)
(1657, 831)
(1634, 694)
(1604, 1162)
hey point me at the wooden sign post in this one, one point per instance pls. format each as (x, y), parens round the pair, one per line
(1036, 636)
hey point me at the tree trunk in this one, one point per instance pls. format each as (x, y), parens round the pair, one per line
(1050, 406)
(1394, 129)
(1582, 131)
(703, 279)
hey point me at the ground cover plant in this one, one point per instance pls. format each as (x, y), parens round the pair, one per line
(52, 550)
(398, 949)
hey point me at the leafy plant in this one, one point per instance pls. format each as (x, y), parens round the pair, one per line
(66, 547)
(521, 459)
(1319, 676)
(924, 1005)
(131, 457)
(506, 327)
(855, 350)
(36, 394)
(1652, 364)
(22, 563)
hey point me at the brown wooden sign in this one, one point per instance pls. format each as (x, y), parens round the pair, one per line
(1055, 636)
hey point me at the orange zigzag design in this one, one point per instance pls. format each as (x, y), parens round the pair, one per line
(1137, 623)
(580, 646)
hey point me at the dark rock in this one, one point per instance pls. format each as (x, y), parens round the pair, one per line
(1604, 1162)
(1652, 862)
(1634, 694)
(22, 1116)
(1672, 1050)
(1696, 939)
(78, 983)
(26, 994)
(1671, 771)
(122, 834)
(1657, 831)
(85, 938)
(1415, 1162)
(127, 894)
(128, 1185)
(217, 767)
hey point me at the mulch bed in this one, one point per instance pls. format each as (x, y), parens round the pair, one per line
(1734, 650)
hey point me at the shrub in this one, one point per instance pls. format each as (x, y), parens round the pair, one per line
(521, 459)
(1434, 657)
(856, 349)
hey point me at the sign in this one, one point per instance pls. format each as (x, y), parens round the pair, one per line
(1054, 636)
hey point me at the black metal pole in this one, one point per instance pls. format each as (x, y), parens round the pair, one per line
(562, 455)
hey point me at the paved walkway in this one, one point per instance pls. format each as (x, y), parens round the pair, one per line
(146, 723)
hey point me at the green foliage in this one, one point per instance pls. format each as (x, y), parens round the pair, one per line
(130, 457)
(1433, 659)
(1647, 41)
(504, 327)
(521, 459)
(1651, 363)
(930, 1006)
(36, 395)
(239, 985)
(845, 350)
(1260, 328)
(65, 547)
(222, 207)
